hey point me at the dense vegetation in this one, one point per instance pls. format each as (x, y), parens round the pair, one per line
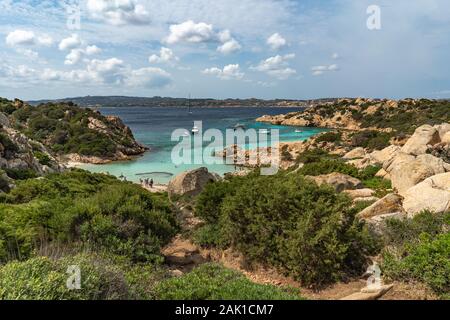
(78, 209)
(317, 162)
(113, 231)
(418, 250)
(214, 282)
(306, 231)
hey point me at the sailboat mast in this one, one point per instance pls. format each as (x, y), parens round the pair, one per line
(189, 103)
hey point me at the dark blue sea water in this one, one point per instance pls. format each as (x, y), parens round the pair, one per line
(154, 126)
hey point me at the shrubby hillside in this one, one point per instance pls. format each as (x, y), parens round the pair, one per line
(66, 129)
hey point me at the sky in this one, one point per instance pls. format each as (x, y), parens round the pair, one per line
(287, 49)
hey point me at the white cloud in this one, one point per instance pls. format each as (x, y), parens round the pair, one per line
(166, 55)
(320, 70)
(335, 56)
(76, 55)
(27, 38)
(91, 50)
(229, 47)
(30, 54)
(277, 66)
(231, 71)
(148, 78)
(77, 52)
(107, 71)
(191, 32)
(276, 41)
(69, 43)
(118, 12)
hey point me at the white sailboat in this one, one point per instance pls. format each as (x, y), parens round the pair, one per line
(195, 130)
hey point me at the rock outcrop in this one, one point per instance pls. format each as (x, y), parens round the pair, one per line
(431, 194)
(355, 153)
(191, 183)
(338, 181)
(390, 204)
(423, 137)
(407, 170)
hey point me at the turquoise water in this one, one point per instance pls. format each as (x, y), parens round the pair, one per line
(154, 126)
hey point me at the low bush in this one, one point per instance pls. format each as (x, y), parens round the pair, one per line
(21, 174)
(42, 278)
(85, 210)
(307, 231)
(214, 282)
(427, 261)
(327, 166)
(418, 249)
(372, 140)
(43, 158)
(329, 137)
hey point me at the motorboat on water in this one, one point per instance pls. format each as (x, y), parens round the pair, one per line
(264, 131)
(195, 130)
(298, 131)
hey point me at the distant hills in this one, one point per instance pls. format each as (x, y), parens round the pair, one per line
(124, 101)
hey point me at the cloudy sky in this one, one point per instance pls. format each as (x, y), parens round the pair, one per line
(298, 49)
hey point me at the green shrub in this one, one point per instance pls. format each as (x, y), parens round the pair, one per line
(328, 166)
(8, 145)
(427, 261)
(214, 282)
(314, 155)
(43, 158)
(42, 278)
(373, 140)
(21, 174)
(85, 210)
(329, 137)
(307, 231)
(419, 250)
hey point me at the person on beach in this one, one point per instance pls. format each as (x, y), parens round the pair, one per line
(151, 183)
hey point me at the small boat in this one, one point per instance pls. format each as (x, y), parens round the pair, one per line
(298, 131)
(195, 130)
(239, 127)
(264, 131)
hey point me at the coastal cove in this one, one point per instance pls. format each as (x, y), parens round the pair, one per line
(153, 128)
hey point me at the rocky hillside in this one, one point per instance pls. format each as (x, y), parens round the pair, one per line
(21, 157)
(402, 116)
(72, 133)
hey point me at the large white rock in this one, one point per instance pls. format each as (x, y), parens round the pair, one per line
(355, 154)
(191, 183)
(392, 203)
(432, 194)
(407, 172)
(388, 153)
(446, 138)
(443, 129)
(422, 137)
(338, 181)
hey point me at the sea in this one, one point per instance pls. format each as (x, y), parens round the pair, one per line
(154, 126)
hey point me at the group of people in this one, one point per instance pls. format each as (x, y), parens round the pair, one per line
(147, 183)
